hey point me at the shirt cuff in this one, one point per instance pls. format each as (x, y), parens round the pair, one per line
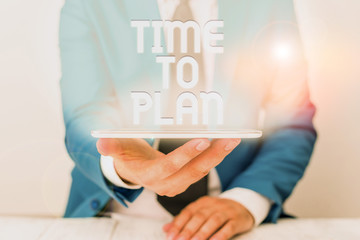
(108, 170)
(258, 205)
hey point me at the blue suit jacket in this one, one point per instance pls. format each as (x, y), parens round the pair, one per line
(98, 52)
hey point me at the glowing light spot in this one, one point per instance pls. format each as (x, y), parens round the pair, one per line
(282, 51)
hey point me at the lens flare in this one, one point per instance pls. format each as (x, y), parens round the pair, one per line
(282, 51)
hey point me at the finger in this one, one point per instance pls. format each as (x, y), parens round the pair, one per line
(178, 223)
(197, 220)
(167, 227)
(175, 160)
(227, 231)
(200, 166)
(186, 214)
(213, 224)
(117, 147)
(108, 146)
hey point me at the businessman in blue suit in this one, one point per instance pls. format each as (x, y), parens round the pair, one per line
(262, 73)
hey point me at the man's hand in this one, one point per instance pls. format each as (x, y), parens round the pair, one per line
(210, 217)
(138, 163)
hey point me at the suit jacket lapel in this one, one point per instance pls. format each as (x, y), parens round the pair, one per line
(146, 10)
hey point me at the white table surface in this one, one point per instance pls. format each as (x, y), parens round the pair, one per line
(130, 228)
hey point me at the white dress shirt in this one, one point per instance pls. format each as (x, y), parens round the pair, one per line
(146, 204)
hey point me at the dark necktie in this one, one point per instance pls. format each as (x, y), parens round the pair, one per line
(175, 204)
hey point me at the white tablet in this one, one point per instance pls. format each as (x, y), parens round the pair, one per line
(244, 133)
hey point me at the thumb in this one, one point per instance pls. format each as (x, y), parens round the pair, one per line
(109, 146)
(116, 147)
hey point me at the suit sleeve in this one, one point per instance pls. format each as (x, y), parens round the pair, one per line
(289, 134)
(88, 96)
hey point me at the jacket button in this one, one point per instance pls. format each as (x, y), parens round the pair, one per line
(95, 204)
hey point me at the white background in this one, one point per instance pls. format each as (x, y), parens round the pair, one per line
(34, 166)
